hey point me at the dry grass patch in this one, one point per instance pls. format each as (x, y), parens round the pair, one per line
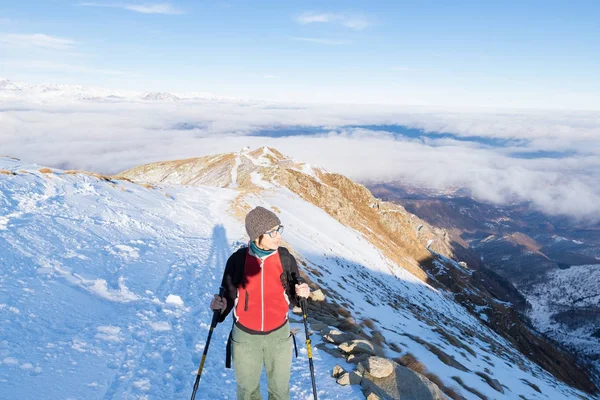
(449, 391)
(395, 347)
(343, 312)
(46, 170)
(378, 338)
(106, 178)
(470, 389)
(454, 341)
(6, 172)
(349, 325)
(490, 381)
(123, 178)
(368, 323)
(410, 361)
(445, 358)
(532, 385)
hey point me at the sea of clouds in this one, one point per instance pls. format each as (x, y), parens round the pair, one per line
(548, 158)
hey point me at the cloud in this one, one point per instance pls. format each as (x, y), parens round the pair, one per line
(332, 42)
(143, 8)
(357, 22)
(109, 136)
(60, 66)
(36, 40)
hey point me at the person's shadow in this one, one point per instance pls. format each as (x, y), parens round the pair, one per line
(218, 254)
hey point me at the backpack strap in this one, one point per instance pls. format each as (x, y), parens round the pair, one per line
(289, 277)
(240, 266)
(228, 350)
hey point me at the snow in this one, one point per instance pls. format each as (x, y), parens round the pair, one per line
(174, 299)
(105, 289)
(234, 171)
(257, 179)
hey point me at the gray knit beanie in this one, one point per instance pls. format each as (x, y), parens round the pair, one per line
(259, 221)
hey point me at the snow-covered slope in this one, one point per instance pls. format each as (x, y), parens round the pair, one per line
(105, 286)
(566, 290)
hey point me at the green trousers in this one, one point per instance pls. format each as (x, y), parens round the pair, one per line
(250, 352)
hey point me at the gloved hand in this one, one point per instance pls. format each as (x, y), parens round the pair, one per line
(218, 303)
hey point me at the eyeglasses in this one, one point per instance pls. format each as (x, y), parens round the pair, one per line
(274, 232)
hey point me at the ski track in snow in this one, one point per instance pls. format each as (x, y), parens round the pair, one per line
(88, 266)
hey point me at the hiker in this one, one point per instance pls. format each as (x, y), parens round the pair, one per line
(260, 282)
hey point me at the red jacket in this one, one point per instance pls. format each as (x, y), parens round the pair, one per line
(257, 294)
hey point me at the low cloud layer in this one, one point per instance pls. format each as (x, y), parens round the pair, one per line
(558, 172)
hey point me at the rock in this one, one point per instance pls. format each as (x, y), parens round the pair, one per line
(357, 358)
(349, 378)
(379, 367)
(329, 320)
(402, 383)
(337, 337)
(357, 346)
(317, 295)
(337, 371)
(333, 351)
(318, 326)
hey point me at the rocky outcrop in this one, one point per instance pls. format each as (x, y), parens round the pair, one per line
(402, 383)
(384, 379)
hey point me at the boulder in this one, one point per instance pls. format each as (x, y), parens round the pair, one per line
(349, 378)
(357, 346)
(357, 358)
(317, 326)
(317, 295)
(334, 351)
(337, 371)
(379, 367)
(337, 337)
(402, 383)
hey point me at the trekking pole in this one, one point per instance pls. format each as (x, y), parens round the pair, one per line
(308, 348)
(212, 327)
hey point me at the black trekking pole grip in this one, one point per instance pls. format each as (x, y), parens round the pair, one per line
(303, 305)
(213, 323)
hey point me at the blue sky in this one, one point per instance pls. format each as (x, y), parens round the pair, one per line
(526, 54)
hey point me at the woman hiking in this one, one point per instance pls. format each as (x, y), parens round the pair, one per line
(260, 283)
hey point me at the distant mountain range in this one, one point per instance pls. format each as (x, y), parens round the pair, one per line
(40, 91)
(554, 262)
